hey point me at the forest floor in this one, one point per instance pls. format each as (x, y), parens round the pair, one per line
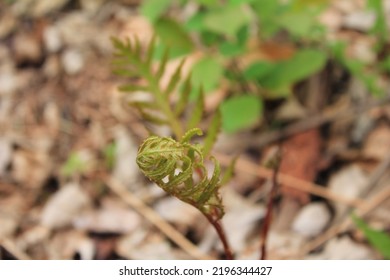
(70, 187)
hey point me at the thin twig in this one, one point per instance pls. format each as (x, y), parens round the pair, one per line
(345, 225)
(315, 121)
(10, 246)
(262, 172)
(155, 219)
(365, 209)
(268, 215)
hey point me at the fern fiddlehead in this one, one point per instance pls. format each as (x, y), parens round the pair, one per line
(174, 166)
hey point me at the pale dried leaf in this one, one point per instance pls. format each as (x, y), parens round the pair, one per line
(64, 206)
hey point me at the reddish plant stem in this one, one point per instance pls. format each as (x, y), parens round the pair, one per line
(215, 222)
(268, 216)
(222, 236)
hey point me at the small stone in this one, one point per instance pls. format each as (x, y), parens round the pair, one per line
(111, 218)
(52, 39)
(348, 182)
(360, 20)
(377, 145)
(8, 82)
(72, 61)
(312, 219)
(344, 249)
(125, 167)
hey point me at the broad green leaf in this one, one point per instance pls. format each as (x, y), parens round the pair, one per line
(227, 20)
(195, 23)
(378, 239)
(238, 2)
(210, 38)
(241, 112)
(229, 49)
(266, 8)
(298, 24)
(303, 64)
(212, 132)
(258, 70)
(173, 36)
(208, 3)
(309, 5)
(153, 9)
(206, 73)
(236, 47)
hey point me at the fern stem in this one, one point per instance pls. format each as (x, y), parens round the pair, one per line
(222, 236)
(163, 103)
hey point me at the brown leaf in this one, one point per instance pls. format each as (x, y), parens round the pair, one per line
(300, 158)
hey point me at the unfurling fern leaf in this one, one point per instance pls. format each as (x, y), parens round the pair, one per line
(174, 166)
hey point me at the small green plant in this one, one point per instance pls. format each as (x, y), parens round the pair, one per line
(75, 165)
(174, 164)
(378, 239)
(225, 31)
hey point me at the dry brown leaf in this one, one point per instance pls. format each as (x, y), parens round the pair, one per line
(377, 145)
(300, 159)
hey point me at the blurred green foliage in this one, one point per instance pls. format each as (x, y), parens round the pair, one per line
(378, 239)
(74, 165)
(223, 29)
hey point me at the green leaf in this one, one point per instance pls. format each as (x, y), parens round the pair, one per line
(175, 79)
(208, 3)
(153, 9)
(75, 164)
(183, 97)
(230, 49)
(173, 36)
(227, 20)
(195, 23)
(238, 2)
(258, 70)
(380, 26)
(206, 73)
(378, 239)
(212, 132)
(240, 112)
(303, 64)
(110, 155)
(299, 24)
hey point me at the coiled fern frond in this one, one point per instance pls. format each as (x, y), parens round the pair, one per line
(178, 168)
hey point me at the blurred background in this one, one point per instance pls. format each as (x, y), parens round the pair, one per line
(309, 77)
